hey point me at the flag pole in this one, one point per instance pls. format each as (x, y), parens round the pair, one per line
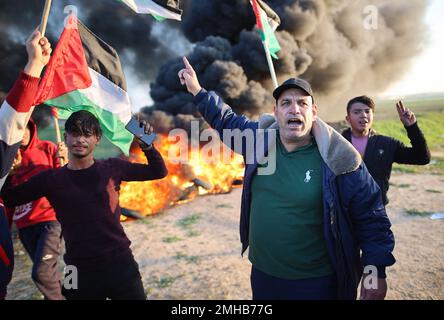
(56, 124)
(43, 24)
(45, 16)
(270, 64)
(260, 26)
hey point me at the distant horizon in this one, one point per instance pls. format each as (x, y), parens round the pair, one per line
(430, 93)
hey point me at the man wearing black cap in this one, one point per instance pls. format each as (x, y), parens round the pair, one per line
(307, 221)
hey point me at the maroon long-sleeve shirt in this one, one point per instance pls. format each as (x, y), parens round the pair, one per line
(87, 205)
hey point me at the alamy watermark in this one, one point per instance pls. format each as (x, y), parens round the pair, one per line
(71, 279)
(257, 146)
(70, 11)
(370, 276)
(371, 17)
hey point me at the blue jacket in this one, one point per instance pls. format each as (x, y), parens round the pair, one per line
(354, 215)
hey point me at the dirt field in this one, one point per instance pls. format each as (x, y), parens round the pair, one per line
(192, 251)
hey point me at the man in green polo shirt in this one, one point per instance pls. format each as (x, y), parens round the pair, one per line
(285, 212)
(315, 222)
(287, 246)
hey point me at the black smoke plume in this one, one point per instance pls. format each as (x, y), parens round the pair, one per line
(129, 33)
(323, 41)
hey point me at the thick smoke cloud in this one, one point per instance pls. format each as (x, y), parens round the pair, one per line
(324, 42)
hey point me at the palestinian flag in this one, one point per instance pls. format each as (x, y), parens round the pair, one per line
(267, 22)
(85, 73)
(159, 9)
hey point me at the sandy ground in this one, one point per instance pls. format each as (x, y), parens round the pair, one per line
(192, 251)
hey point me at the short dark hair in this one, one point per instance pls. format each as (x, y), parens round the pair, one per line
(361, 99)
(83, 123)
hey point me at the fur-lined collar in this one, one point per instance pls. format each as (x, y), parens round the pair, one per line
(339, 154)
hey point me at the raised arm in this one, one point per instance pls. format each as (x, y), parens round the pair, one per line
(17, 108)
(219, 115)
(419, 153)
(155, 169)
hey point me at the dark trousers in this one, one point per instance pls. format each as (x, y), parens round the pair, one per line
(42, 241)
(266, 287)
(6, 254)
(117, 280)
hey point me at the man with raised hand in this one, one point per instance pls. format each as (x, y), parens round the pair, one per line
(378, 151)
(85, 196)
(306, 222)
(14, 115)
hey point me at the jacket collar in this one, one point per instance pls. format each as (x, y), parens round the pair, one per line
(347, 133)
(339, 154)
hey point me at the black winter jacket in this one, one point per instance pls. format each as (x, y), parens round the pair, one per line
(382, 151)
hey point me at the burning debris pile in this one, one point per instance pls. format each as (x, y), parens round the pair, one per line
(184, 181)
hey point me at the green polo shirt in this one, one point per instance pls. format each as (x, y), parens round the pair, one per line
(286, 217)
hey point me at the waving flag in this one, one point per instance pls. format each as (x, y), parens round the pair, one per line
(267, 21)
(159, 9)
(85, 73)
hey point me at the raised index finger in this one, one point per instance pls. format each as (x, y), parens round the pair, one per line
(187, 63)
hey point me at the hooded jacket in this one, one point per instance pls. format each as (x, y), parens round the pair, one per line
(353, 212)
(38, 155)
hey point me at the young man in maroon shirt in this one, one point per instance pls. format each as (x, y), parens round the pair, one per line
(85, 197)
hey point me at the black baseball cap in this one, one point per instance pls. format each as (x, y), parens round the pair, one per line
(293, 83)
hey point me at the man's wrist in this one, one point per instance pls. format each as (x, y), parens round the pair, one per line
(410, 125)
(33, 69)
(196, 92)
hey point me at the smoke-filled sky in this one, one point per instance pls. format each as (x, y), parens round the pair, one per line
(323, 41)
(427, 71)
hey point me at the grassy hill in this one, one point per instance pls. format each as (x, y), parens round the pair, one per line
(431, 124)
(419, 104)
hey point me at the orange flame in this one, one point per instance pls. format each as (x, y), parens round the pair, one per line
(150, 197)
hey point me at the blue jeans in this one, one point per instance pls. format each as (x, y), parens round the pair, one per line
(266, 287)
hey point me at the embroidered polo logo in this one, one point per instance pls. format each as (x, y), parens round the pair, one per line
(307, 176)
(381, 152)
